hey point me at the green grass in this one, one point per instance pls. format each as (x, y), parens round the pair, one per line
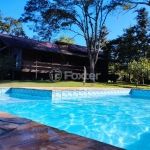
(68, 84)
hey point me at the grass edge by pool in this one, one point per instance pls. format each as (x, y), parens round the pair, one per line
(68, 84)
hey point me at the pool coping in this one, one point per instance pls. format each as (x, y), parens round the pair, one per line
(22, 134)
(64, 93)
(68, 88)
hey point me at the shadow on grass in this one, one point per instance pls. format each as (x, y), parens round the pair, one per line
(130, 85)
(122, 84)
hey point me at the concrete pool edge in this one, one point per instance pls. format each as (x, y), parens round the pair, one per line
(21, 134)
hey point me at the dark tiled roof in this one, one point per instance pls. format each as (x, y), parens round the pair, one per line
(72, 53)
(78, 48)
(25, 43)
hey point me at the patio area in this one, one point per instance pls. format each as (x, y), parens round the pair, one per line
(23, 134)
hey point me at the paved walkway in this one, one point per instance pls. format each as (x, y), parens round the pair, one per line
(23, 134)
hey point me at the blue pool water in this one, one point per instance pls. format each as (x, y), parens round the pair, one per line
(121, 120)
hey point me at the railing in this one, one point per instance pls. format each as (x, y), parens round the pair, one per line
(45, 67)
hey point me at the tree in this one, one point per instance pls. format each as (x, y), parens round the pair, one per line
(65, 39)
(15, 27)
(6, 63)
(131, 4)
(88, 16)
(121, 50)
(134, 43)
(3, 26)
(44, 31)
(142, 30)
(134, 3)
(11, 26)
(139, 69)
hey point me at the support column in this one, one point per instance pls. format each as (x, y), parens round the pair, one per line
(13, 74)
(36, 67)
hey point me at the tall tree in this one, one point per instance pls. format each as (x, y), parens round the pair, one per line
(142, 30)
(3, 26)
(129, 46)
(134, 43)
(88, 16)
(15, 27)
(122, 49)
(11, 26)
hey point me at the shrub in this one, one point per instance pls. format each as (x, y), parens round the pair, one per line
(6, 63)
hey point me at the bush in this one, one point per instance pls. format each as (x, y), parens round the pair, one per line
(6, 63)
(113, 77)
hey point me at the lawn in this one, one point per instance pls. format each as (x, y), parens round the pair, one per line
(68, 84)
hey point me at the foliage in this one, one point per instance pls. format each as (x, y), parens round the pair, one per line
(114, 67)
(142, 29)
(65, 39)
(138, 2)
(134, 43)
(131, 4)
(6, 63)
(15, 27)
(85, 18)
(113, 77)
(139, 69)
(11, 26)
(127, 6)
(3, 26)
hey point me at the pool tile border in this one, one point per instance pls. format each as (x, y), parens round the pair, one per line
(74, 93)
(69, 94)
(141, 93)
(27, 91)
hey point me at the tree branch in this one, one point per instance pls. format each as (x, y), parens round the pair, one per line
(144, 3)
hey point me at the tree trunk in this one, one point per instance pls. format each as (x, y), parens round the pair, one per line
(142, 79)
(129, 78)
(136, 83)
(92, 74)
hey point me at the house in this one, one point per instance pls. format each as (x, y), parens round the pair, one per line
(35, 59)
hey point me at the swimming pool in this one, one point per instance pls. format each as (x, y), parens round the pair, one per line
(119, 119)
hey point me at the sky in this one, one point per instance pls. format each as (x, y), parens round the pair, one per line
(115, 23)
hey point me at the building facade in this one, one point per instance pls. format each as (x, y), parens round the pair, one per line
(34, 59)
